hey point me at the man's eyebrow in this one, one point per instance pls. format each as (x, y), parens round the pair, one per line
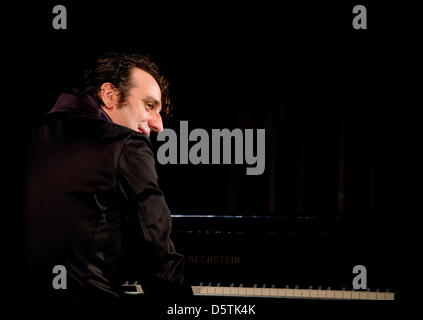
(156, 102)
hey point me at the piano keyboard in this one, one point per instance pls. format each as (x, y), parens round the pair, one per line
(261, 292)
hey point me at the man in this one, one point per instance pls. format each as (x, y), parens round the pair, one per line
(93, 201)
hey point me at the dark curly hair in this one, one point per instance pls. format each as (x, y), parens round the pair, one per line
(115, 67)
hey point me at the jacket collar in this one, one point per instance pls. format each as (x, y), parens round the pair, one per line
(79, 103)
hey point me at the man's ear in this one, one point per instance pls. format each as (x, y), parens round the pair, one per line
(109, 95)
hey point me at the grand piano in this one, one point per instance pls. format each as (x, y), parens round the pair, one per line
(298, 260)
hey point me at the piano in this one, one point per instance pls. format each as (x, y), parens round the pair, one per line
(296, 258)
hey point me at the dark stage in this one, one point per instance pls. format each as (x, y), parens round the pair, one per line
(340, 106)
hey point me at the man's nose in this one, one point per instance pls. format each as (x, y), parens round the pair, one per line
(155, 123)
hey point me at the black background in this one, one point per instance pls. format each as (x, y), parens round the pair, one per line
(297, 69)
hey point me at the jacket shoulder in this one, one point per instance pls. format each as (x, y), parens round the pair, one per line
(78, 123)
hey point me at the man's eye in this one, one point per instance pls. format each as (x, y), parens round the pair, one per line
(150, 106)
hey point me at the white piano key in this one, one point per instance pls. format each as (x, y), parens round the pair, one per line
(314, 294)
(296, 293)
(364, 295)
(330, 294)
(389, 296)
(265, 292)
(281, 292)
(211, 290)
(274, 292)
(321, 294)
(339, 294)
(372, 296)
(242, 291)
(203, 290)
(380, 296)
(234, 291)
(305, 293)
(249, 291)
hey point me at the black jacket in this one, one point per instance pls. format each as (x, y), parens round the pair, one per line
(93, 205)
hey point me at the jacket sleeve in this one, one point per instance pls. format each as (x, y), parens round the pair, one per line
(149, 252)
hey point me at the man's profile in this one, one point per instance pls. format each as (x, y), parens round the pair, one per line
(93, 204)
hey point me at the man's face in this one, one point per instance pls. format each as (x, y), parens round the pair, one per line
(140, 111)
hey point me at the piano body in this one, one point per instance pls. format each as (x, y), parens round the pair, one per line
(298, 260)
